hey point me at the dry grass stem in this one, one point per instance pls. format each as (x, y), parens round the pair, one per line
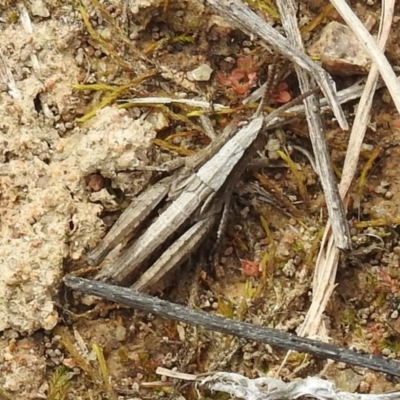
(326, 266)
(240, 15)
(371, 46)
(336, 212)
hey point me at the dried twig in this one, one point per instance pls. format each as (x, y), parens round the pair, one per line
(241, 16)
(143, 101)
(326, 266)
(265, 388)
(8, 79)
(336, 212)
(176, 374)
(372, 48)
(345, 95)
(274, 337)
(28, 28)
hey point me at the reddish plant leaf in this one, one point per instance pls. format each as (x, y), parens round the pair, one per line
(284, 97)
(238, 74)
(241, 78)
(396, 123)
(281, 95)
(252, 77)
(245, 63)
(240, 88)
(250, 268)
(223, 79)
(282, 86)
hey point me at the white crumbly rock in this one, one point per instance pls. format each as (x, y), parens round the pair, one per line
(340, 51)
(136, 5)
(23, 367)
(46, 213)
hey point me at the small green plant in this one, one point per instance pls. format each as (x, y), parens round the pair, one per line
(391, 344)
(348, 318)
(59, 384)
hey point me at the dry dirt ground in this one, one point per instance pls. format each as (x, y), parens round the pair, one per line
(70, 161)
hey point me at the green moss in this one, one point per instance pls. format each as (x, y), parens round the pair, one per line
(391, 344)
(348, 318)
(59, 384)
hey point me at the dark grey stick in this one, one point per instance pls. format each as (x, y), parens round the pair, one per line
(273, 337)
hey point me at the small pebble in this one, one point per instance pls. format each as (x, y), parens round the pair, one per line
(89, 51)
(228, 251)
(367, 147)
(386, 97)
(340, 51)
(200, 74)
(247, 356)
(386, 352)
(206, 304)
(61, 128)
(380, 190)
(230, 60)
(39, 9)
(388, 195)
(79, 56)
(364, 387)
(396, 250)
(120, 333)
(178, 47)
